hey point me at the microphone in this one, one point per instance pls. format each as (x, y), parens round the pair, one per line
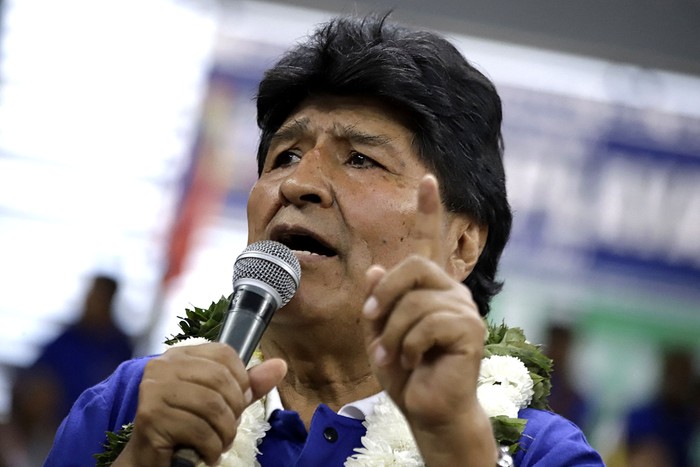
(266, 276)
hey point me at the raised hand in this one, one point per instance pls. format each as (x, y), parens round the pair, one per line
(425, 340)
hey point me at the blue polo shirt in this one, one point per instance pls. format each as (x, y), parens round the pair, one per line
(548, 440)
(330, 440)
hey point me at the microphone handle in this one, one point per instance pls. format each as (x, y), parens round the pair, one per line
(249, 314)
(247, 318)
(185, 457)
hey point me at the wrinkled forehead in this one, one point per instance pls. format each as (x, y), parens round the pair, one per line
(362, 120)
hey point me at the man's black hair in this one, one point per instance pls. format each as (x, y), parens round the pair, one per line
(452, 109)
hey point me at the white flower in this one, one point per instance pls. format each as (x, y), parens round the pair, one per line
(250, 433)
(511, 374)
(388, 441)
(496, 400)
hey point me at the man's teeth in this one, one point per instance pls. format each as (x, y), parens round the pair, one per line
(304, 252)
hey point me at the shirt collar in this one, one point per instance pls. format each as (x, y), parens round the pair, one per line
(359, 410)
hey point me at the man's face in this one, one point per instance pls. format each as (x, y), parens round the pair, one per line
(339, 187)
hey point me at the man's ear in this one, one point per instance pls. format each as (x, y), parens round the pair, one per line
(468, 240)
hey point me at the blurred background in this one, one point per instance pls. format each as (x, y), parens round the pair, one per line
(127, 143)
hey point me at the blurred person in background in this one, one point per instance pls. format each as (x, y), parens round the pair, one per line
(88, 351)
(565, 399)
(26, 437)
(660, 432)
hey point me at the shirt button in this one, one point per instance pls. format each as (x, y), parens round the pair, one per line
(330, 434)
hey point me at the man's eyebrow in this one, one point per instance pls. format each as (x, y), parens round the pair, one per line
(355, 135)
(291, 131)
(298, 128)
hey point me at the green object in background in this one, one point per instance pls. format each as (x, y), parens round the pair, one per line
(658, 324)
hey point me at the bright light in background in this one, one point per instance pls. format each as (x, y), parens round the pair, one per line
(99, 105)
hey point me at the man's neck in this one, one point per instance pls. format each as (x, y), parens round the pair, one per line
(316, 376)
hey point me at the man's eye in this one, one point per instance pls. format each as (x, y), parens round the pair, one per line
(361, 161)
(284, 159)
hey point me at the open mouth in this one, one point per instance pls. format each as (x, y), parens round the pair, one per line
(305, 243)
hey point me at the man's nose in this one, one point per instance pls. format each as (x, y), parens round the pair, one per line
(308, 182)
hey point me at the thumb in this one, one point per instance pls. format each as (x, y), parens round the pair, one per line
(266, 376)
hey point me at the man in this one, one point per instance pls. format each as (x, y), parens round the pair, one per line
(380, 167)
(88, 351)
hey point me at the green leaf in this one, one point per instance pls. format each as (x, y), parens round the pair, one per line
(200, 322)
(508, 431)
(113, 446)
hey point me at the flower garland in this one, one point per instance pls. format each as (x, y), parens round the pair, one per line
(388, 441)
(514, 374)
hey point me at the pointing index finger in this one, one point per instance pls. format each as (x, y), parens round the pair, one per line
(427, 231)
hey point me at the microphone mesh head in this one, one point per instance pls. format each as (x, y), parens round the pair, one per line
(272, 263)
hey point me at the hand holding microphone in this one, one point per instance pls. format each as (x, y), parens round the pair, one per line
(266, 276)
(192, 396)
